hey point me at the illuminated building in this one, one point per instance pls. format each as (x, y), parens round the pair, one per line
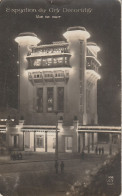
(59, 77)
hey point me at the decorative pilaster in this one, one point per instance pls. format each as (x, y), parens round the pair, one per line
(88, 142)
(110, 143)
(45, 141)
(34, 141)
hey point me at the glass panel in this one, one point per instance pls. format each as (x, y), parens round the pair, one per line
(44, 62)
(49, 61)
(60, 60)
(40, 100)
(60, 98)
(40, 141)
(37, 62)
(50, 99)
(55, 60)
(66, 60)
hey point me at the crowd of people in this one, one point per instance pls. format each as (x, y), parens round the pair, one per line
(57, 166)
(16, 156)
(99, 150)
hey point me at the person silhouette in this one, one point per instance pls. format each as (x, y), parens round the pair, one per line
(96, 150)
(62, 166)
(56, 166)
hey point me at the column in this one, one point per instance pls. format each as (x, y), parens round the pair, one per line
(83, 142)
(23, 140)
(119, 141)
(34, 141)
(110, 143)
(56, 149)
(86, 139)
(88, 142)
(92, 141)
(95, 103)
(79, 147)
(44, 99)
(95, 138)
(52, 61)
(45, 141)
(63, 60)
(55, 98)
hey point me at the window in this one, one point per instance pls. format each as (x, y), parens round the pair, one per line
(49, 61)
(60, 60)
(37, 62)
(54, 143)
(37, 75)
(66, 60)
(50, 99)
(60, 98)
(40, 100)
(44, 62)
(59, 74)
(48, 74)
(55, 60)
(40, 141)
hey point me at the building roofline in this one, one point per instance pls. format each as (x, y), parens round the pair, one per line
(100, 127)
(51, 45)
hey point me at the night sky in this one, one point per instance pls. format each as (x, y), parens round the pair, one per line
(104, 26)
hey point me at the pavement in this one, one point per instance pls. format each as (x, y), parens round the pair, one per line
(36, 176)
(43, 157)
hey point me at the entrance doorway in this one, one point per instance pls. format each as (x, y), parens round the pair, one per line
(15, 141)
(68, 144)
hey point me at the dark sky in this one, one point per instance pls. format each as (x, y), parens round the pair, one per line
(104, 26)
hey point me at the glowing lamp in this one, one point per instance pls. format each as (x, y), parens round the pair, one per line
(93, 46)
(76, 33)
(27, 38)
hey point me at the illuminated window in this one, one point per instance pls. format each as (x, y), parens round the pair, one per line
(44, 62)
(55, 60)
(49, 61)
(50, 99)
(60, 60)
(60, 98)
(40, 100)
(40, 141)
(66, 60)
(37, 62)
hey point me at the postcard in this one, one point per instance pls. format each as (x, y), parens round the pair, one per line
(60, 98)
